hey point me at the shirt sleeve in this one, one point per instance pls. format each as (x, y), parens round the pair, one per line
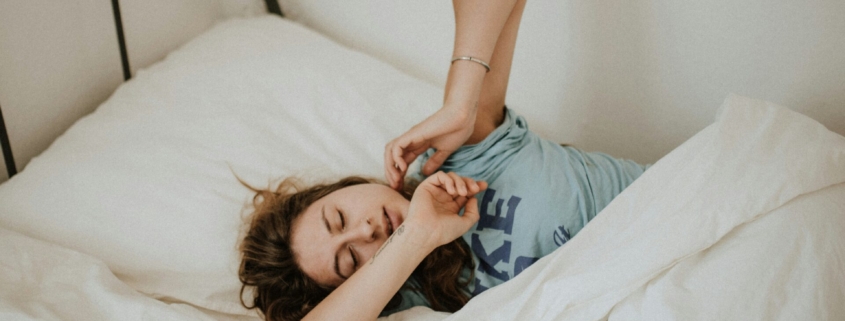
(410, 299)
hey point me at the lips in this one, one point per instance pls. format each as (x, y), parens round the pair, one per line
(388, 223)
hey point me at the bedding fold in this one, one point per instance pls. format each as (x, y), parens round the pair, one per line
(43, 281)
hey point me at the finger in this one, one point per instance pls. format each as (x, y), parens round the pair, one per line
(413, 154)
(460, 185)
(477, 187)
(442, 181)
(435, 161)
(471, 211)
(395, 178)
(400, 184)
(416, 144)
(389, 166)
(397, 151)
(472, 186)
(482, 185)
(448, 183)
(461, 201)
(388, 178)
(409, 157)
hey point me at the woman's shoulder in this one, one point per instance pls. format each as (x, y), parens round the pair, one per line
(482, 160)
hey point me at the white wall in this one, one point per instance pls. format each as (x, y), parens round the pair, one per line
(154, 28)
(631, 78)
(60, 59)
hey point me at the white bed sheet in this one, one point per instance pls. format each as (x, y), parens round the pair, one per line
(43, 281)
(134, 212)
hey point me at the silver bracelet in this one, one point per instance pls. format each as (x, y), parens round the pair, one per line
(473, 59)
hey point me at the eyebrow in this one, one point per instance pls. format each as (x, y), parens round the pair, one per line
(328, 228)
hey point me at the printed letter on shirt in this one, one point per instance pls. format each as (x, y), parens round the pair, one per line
(487, 262)
(497, 221)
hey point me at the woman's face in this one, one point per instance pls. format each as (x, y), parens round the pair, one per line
(341, 231)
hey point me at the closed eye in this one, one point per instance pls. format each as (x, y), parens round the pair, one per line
(342, 220)
(354, 259)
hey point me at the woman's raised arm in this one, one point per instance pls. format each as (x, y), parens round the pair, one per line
(474, 98)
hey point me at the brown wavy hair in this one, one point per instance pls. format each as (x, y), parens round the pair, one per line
(282, 291)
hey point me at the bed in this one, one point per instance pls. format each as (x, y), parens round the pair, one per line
(135, 212)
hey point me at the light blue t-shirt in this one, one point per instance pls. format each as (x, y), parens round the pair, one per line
(540, 194)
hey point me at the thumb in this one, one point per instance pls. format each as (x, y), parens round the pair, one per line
(435, 161)
(471, 211)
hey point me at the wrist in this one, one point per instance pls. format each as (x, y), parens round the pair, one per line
(465, 104)
(464, 112)
(420, 238)
(463, 86)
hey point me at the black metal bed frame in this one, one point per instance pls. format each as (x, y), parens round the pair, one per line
(272, 7)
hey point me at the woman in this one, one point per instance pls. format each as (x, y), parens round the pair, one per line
(356, 249)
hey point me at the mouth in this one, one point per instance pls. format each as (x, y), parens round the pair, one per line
(388, 223)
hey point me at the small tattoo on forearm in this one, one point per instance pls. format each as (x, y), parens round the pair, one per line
(399, 231)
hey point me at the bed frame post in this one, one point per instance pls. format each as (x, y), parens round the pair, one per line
(7, 148)
(273, 7)
(121, 42)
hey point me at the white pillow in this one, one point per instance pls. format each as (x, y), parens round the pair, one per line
(146, 182)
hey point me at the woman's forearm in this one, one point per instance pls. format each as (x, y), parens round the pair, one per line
(478, 24)
(485, 30)
(365, 294)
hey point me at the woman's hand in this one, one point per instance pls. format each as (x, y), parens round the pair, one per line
(446, 130)
(436, 203)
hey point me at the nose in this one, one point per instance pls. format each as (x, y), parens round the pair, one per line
(365, 237)
(364, 232)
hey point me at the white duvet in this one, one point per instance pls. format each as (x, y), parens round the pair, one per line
(134, 213)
